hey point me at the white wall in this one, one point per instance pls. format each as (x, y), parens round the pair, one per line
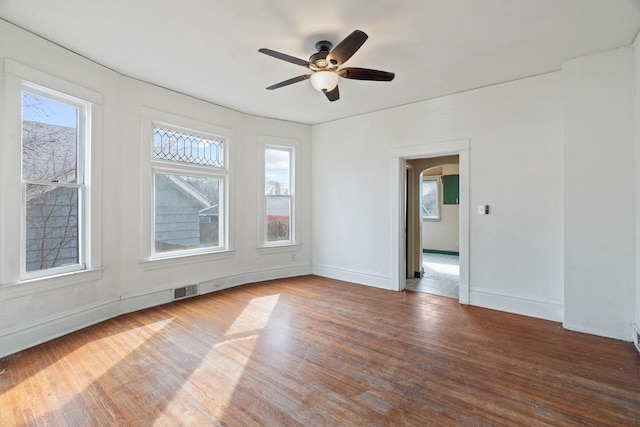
(599, 187)
(36, 312)
(515, 131)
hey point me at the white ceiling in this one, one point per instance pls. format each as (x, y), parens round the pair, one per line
(209, 48)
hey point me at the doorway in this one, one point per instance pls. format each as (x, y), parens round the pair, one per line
(436, 226)
(401, 211)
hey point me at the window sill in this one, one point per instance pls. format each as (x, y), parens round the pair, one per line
(274, 249)
(179, 260)
(31, 286)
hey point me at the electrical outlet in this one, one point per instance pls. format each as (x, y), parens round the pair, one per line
(210, 285)
(293, 257)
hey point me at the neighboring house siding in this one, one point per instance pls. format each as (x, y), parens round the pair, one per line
(177, 217)
(52, 229)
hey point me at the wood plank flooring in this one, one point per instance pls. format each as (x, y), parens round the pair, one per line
(317, 352)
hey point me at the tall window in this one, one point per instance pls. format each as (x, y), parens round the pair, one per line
(430, 199)
(279, 193)
(54, 143)
(189, 173)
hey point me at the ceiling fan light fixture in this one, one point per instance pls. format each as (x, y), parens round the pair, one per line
(324, 81)
(324, 66)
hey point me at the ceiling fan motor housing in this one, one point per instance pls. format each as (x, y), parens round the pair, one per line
(319, 59)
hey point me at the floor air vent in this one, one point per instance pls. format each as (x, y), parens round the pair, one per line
(185, 292)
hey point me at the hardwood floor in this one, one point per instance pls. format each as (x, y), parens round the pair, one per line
(313, 351)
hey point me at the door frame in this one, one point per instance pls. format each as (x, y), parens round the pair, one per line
(399, 156)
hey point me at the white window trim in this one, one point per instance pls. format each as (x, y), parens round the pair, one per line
(149, 166)
(18, 77)
(84, 109)
(266, 142)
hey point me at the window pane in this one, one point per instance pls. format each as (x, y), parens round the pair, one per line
(181, 147)
(51, 227)
(187, 212)
(49, 140)
(277, 171)
(278, 218)
(430, 198)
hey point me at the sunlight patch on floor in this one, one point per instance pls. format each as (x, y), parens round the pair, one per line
(254, 316)
(443, 268)
(221, 371)
(223, 367)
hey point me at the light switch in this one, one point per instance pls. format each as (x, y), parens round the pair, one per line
(483, 209)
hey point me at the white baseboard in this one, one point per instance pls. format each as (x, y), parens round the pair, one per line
(527, 307)
(25, 336)
(622, 334)
(275, 273)
(30, 335)
(145, 299)
(252, 277)
(44, 330)
(353, 277)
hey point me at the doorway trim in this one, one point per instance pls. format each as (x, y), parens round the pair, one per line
(399, 155)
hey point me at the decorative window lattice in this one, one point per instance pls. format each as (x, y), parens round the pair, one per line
(181, 147)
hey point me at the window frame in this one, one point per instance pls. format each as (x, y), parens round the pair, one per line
(150, 166)
(272, 142)
(13, 275)
(437, 216)
(82, 143)
(290, 196)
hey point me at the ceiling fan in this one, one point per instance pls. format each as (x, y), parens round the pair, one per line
(325, 64)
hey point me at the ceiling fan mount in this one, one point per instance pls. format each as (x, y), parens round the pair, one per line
(325, 65)
(324, 46)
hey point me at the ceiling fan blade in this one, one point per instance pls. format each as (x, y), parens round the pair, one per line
(347, 47)
(285, 57)
(333, 95)
(290, 81)
(366, 74)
